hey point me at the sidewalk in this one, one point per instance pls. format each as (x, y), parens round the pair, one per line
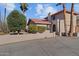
(4, 39)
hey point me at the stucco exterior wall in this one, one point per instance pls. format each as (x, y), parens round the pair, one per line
(59, 16)
(41, 25)
(68, 22)
(77, 23)
(59, 22)
(47, 26)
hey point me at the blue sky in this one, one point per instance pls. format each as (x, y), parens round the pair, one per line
(36, 10)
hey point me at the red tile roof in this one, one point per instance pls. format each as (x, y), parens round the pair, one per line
(40, 21)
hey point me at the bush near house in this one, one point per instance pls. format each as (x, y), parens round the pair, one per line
(35, 29)
(41, 29)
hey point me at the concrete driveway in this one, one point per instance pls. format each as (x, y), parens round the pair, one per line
(57, 46)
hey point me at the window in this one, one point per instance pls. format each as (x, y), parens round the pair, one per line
(53, 17)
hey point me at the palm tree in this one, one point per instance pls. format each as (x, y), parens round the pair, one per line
(71, 20)
(23, 7)
(64, 13)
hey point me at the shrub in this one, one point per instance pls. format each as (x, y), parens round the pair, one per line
(33, 29)
(41, 29)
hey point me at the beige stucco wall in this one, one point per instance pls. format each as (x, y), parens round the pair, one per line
(41, 25)
(47, 26)
(37, 24)
(59, 22)
(68, 21)
(60, 25)
(59, 16)
(77, 23)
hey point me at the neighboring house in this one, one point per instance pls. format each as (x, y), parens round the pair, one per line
(77, 23)
(39, 22)
(58, 21)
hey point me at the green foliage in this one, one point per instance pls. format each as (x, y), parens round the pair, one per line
(22, 21)
(41, 29)
(16, 21)
(35, 29)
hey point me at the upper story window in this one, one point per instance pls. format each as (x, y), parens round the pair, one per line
(53, 17)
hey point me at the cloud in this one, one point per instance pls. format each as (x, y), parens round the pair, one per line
(42, 10)
(9, 6)
(50, 9)
(39, 9)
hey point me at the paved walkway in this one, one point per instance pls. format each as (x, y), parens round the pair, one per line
(4, 39)
(57, 46)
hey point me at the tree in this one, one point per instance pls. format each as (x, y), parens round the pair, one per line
(16, 21)
(64, 13)
(23, 7)
(71, 20)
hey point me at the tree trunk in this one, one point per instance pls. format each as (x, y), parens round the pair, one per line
(71, 20)
(65, 26)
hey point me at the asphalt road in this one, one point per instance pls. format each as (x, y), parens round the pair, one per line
(57, 46)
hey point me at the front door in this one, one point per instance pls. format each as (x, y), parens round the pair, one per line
(54, 28)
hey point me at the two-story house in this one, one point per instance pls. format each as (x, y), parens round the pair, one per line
(58, 21)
